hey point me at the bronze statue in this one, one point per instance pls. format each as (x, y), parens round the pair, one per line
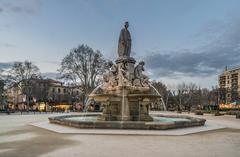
(124, 43)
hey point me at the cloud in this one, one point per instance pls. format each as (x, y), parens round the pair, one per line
(205, 61)
(5, 65)
(187, 63)
(51, 75)
(52, 62)
(7, 45)
(23, 6)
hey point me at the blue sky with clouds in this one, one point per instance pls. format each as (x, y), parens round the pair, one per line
(187, 40)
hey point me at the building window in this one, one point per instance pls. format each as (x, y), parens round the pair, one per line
(53, 90)
(59, 90)
(77, 92)
(64, 90)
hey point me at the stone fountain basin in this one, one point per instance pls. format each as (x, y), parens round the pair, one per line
(115, 97)
(161, 122)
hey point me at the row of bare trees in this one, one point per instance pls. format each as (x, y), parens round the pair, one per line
(186, 96)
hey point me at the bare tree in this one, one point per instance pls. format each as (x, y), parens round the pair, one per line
(40, 92)
(214, 96)
(179, 95)
(192, 96)
(83, 66)
(4, 82)
(21, 73)
(161, 88)
(1, 82)
(185, 95)
(1, 89)
(205, 93)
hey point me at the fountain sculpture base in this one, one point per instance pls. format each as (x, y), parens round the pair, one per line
(130, 107)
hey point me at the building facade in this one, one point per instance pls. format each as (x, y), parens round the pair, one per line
(42, 94)
(229, 86)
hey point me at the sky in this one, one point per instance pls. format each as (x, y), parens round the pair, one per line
(180, 40)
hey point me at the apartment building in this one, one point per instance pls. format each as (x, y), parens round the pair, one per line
(229, 86)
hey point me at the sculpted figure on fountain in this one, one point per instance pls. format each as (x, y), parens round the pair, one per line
(123, 74)
(139, 78)
(110, 77)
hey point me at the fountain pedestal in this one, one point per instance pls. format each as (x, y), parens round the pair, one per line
(125, 103)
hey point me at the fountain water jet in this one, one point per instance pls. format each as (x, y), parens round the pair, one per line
(163, 103)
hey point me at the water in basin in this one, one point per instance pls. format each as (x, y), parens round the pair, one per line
(156, 119)
(83, 118)
(169, 119)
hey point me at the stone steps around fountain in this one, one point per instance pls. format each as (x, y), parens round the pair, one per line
(209, 126)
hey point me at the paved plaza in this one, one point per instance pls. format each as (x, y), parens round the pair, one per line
(19, 138)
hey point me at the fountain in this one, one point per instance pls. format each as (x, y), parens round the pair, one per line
(125, 96)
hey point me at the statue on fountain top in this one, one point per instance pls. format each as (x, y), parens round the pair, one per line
(124, 43)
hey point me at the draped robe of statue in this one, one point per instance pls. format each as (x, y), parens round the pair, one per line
(124, 43)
